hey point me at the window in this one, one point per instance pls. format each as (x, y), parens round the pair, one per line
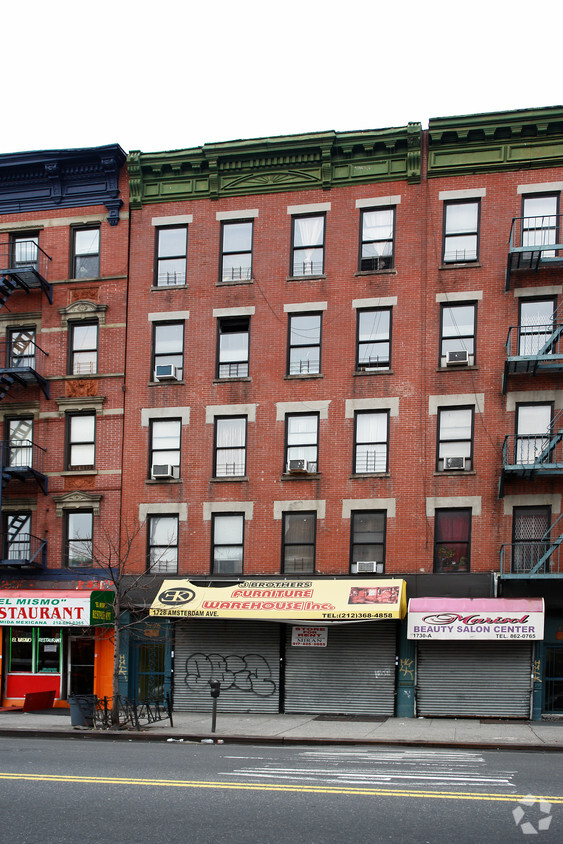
(81, 440)
(233, 347)
(304, 344)
(17, 537)
(302, 442)
(457, 334)
(376, 246)
(163, 544)
(533, 423)
(168, 356)
(21, 348)
(19, 432)
(455, 439)
(171, 252)
(165, 448)
(461, 231)
(227, 544)
(79, 525)
(374, 340)
(236, 251)
(83, 348)
(230, 447)
(536, 326)
(371, 441)
(34, 650)
(368, 542)
(308, 245)
(298, 543)
(540, 225)
(85, 253)
(452, 537)
(530, 537)
(25, 252)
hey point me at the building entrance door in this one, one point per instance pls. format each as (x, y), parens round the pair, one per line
(553, 679)
(81, 666)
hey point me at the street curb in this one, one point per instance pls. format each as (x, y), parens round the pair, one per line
(198, 738)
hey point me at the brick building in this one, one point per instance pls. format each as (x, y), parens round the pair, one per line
(63, 285)
(341, 391)
(319, 389)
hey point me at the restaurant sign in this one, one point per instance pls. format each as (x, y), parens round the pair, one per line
(476, 618)
(56, 608)
(279, 600)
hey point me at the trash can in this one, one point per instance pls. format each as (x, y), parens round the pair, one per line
(82, 710)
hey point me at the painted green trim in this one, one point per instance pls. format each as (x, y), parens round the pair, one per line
(510, 140)
(271, 165)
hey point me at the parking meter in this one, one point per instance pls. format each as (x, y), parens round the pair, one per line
(215, 688)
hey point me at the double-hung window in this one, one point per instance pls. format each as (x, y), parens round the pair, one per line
(164, 455)
(536, 327)
(455, 439)
(371, 441)
(367, 554)
(302, 442)
(457, 334)
(163, 544)
(236, 250)
(531, 539)
(373, 350)
(17, 537)
(540, 226)
(452, 540)
(168, 351)
(461, 231)
(533, 433)
(19, 432)
(227, 549)
(81, 440)
(171, 252)
(377, 239)
(298, 542)
(25, 250)
(233, 347)
(79, 528)
(230, 447)
(85, 252)
(304, 344)
(308, 242)
(83, 348)
(21, 348)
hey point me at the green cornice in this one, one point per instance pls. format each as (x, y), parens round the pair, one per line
(270, 165)
(506, 140)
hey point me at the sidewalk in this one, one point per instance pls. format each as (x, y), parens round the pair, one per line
(306, 729)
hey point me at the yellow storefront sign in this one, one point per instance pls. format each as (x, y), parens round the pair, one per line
(289, 600)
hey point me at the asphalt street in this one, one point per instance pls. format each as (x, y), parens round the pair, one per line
(89, 792)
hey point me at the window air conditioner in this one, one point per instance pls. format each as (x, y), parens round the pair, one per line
(454, 462)
(162, 471)
(166, 372)
(297, 466)
(457, 358)
(369, 567)
(312, 467)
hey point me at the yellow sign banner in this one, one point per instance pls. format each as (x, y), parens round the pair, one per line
(279, 600)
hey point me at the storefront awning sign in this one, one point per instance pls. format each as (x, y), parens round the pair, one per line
(56, 608)
(295, 600)
(506, 619)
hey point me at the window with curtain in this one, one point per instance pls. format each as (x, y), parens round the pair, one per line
(227, 543)
(164, 457)
(298, 546)
(83, 348)
(163, 544)
(452, 536)
(81, 440)
(230, 447)
(455, 439)
(233, 347)
(377, 236)
(308, 245)
(168, 351)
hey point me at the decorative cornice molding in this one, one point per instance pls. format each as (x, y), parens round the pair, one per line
(65, 178)
(269, 165)
(83, 309)
(77, 500)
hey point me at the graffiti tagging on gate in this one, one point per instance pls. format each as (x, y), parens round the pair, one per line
(249, 673)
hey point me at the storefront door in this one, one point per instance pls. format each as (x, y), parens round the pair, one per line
(553, 679)
(81, 666)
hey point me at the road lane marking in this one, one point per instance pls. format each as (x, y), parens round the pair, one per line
(309, 789)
